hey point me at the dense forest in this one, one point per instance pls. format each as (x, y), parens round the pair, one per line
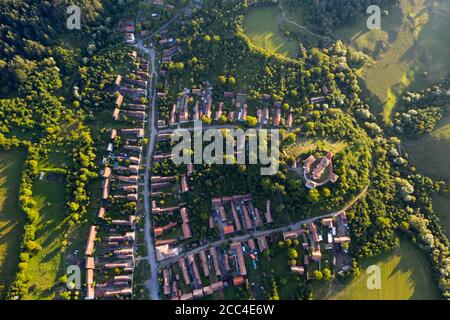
(327, 15)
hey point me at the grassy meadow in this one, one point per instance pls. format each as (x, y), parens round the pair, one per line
(11, 218)
(406, 275)
(441, 206)
(415, 54)
(430, 154)
(261, 26)
(45, 267)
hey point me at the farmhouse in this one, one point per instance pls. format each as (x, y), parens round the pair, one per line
(298, 269)
(91, 241)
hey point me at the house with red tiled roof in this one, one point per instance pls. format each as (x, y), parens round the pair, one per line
(186, 228)
(204, 262)
(298, 269)
(237, 281)
(219, 111)
(184, 215)
(213, 252)
(236, 219)
(119, 101)
(247, 220)
(184, 271)
(184, 184)
(251, 244)
(91, 241)
(262, 243)
(229, 229)
(277, 117)
(236, 248)
(268, 213)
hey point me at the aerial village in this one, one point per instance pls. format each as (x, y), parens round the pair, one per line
(110, 248)
(207, 269)
(191, 267)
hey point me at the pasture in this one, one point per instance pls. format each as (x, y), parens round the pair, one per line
(405, 275)
(430, 154)
(261, 26)
(410, 51)
(11, 217)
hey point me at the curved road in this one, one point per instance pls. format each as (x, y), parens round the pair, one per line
(256, 234)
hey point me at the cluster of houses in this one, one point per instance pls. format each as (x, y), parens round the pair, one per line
(312, 241)
(318, 172)
(110, 248)
(234, 108)
(211, 270)
(131, 92)
(127, 28)
(160, 3)
(237, 213)
(169, 186)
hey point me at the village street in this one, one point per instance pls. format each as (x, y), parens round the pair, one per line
(152, 284)
(261, 233)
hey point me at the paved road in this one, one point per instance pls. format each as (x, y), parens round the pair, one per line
(256, 234)
(152, 284)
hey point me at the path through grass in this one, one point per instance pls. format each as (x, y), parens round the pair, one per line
(261, 26)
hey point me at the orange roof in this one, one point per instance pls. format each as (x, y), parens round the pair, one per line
(91, 240)
(186, 230)
(237, 281)
(228, 229)
(101, 212)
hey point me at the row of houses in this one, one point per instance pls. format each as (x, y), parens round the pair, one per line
(237, 213)
(182, 112)
(312, 242)
(160, 3)
(198, 275)
(110, 248)
(164, 187)
(134, 90)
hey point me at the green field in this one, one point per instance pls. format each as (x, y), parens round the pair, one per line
(301, 147)
(430, 154)
(261, 26)
(406, 275)
(416, 54)
(11, 218)
(45, 267)
(441, 206)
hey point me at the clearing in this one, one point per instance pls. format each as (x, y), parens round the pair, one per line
(406, 275)
(410, 52)
(45, 268)
(300, 147)
(11, 217)
(261, 26)
(440, 206)
(430, 154)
